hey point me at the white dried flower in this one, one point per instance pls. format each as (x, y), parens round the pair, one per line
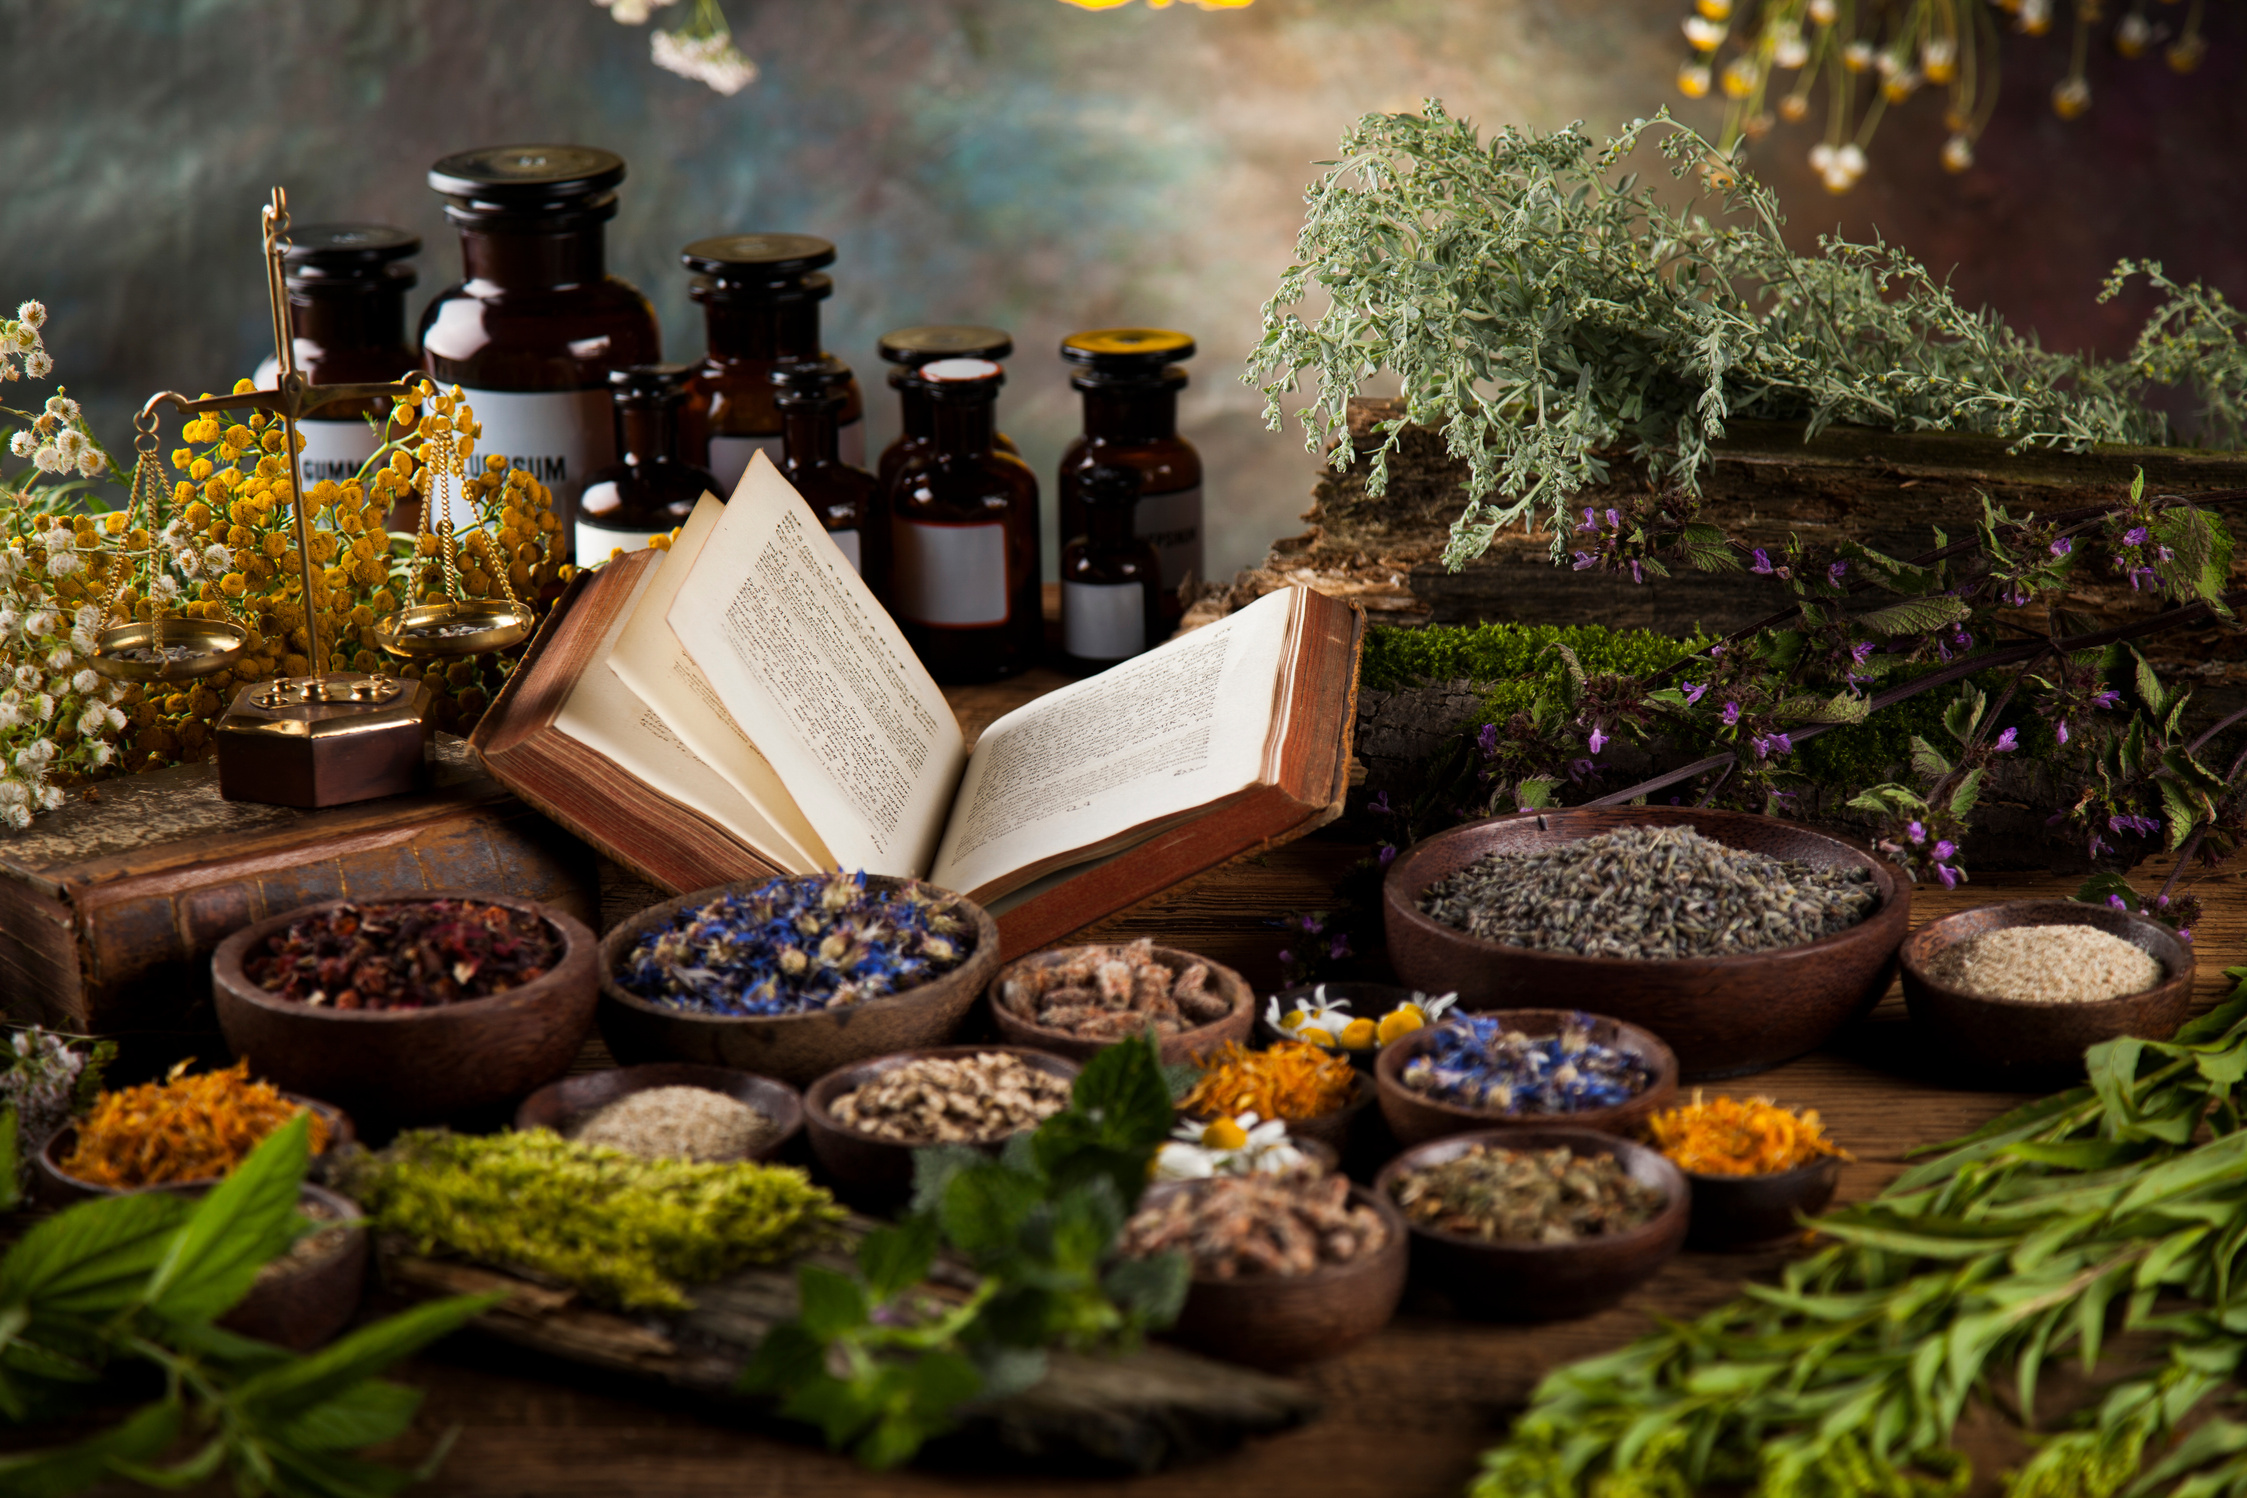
(62, 408)
(165, 588)
(1790, 51)
(61, 658)
(47, 459)
(101, 754)
(633, 12)
(39, 364)
(62, 564)
(71, 445)
(91, 462)
(713, 60)
(188, 560)
(27, 678)
(58, 538)
(43, 708)
(32, 314)
(14, 816)
(217, 557)
(174, 534)
(36, 754)
(41, 624)
(92, 722)
(1823, 11)
(11, 715)
(21, 443)
(13, 792)
(85, 682)
(1705, 35)
(46, 797)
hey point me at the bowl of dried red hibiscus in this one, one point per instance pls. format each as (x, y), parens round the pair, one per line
(411, 1010)
(1075, 1001)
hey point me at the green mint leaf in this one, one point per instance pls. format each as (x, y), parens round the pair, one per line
(92, 1259)
(830, 1304)
(280, 1394)
(1916, 616)
(65, 1470)
(1152, 1291)
(933, 1169)
(984, 1207)
(788, 1358)
(238, 1225)
(895, 1259)
(365, 1414)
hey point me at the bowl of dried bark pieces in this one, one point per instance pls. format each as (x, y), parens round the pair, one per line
(1286, 1269)
(866, 1119)
(1074, 1001)
(1537, 1224)
(670, 1109)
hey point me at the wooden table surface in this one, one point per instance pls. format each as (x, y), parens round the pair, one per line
(1405, 1414)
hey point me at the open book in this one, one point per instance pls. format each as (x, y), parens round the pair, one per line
(741, 705)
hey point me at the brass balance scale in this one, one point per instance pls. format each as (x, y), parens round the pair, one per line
(333, 737)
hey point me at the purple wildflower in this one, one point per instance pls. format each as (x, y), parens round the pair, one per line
(1636, 575)
(1286, 956)
(2062, 547)
(1313, 924)
(1762, 562)
(1589, 523)
(2119, 903)
(1731, 714)
(1598, 740)
(2060, 730)
(2184, 934)
(1947, 874)
(1944, 850)
(1339, 948)
(1835, 573)
(2008, 741)
(1694, 693)
(1916, 831)
(1861, 651)
(1379, 806)
(2135, 536)
(1388, 854)
(2147, 573)
(1584, 559)
(1579, 768)
(1614, 521)
(1487, 740)
(2107, 698)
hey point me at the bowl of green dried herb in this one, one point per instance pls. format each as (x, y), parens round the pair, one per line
(1537, 1224)
(792, 977)
(410, 1010)
(1741, 940)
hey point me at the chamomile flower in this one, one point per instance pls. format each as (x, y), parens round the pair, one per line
(1318, 1019)
(1237, 1146)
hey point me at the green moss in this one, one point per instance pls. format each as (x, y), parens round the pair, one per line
(624, 1229)
(1511, 656)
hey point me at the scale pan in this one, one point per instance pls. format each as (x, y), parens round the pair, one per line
(441, 629)
(168, 649)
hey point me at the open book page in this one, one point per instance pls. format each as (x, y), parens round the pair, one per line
(1118, 754)
(809, 662)
(648, 660)
(604, 715)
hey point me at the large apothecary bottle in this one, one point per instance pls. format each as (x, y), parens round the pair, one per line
(908, 349)
(648, 490)
(1130, 379)
(760, 296)
(964, 536)
(534, 330)
(812, 397)
(347, 287)
(1111, 588)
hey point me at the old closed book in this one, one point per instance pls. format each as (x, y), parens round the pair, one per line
(110, 906)
(741, 705)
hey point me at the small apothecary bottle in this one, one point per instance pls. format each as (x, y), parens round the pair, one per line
(760, 296)
(1130, 380)
(531, 335)
(1111, 579)
(347, 315)
(812, 398)
(648, 490)
(964, 536)
(910, 348)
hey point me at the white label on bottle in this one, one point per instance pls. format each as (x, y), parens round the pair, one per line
(950, 574)
(729, 456)
(598, 532)
(1173, 524)
(556, 436)
(847, 543)
(1103, 621)
(334, 450)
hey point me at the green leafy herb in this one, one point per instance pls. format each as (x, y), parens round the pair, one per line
(139, 1279)
(2033, 1239)
(881, 1365)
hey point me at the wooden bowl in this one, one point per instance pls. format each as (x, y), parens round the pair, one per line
(1187, 1045)
(1415, 1117)
(795, 1048)
(1736, 1212)
(877, 1174)
(1543, 1281)
(2024, 1041)
(59, 1188)
(412, 1066)
(1278, 1321)
(558, 1105)
(1367, 1001)
(303, 1305)
(1723, 1016)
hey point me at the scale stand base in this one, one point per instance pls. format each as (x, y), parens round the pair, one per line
(323, 741)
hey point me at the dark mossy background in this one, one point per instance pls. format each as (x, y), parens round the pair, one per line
(1012, 161)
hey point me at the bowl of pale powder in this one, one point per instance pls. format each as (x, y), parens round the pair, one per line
(2027, 986)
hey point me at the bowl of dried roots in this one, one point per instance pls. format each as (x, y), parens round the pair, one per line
(1074, 1001)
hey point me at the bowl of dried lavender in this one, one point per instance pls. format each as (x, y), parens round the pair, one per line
(1073, 1001)
(793, 977)
(1741, 940)
(1523, 1068)
(1537, 1224)
(410, 1010)
(670, 1110)
(866, 1119)
(1286, 1269)
(2022, 988)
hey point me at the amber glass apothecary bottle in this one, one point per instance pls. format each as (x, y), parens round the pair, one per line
(964, 536)
(347, 287)
(760, 296)
(1111, 579)
(908, 349)
(648, 490)
(531, 335)
(812, 398)
(1130, 379)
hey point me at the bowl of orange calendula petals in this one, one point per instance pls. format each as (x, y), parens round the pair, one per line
(187, 1130)
(1313, 1089)
(1758, 1170)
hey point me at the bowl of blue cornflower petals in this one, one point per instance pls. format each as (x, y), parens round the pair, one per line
(794, 976)
(1523, 1068)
